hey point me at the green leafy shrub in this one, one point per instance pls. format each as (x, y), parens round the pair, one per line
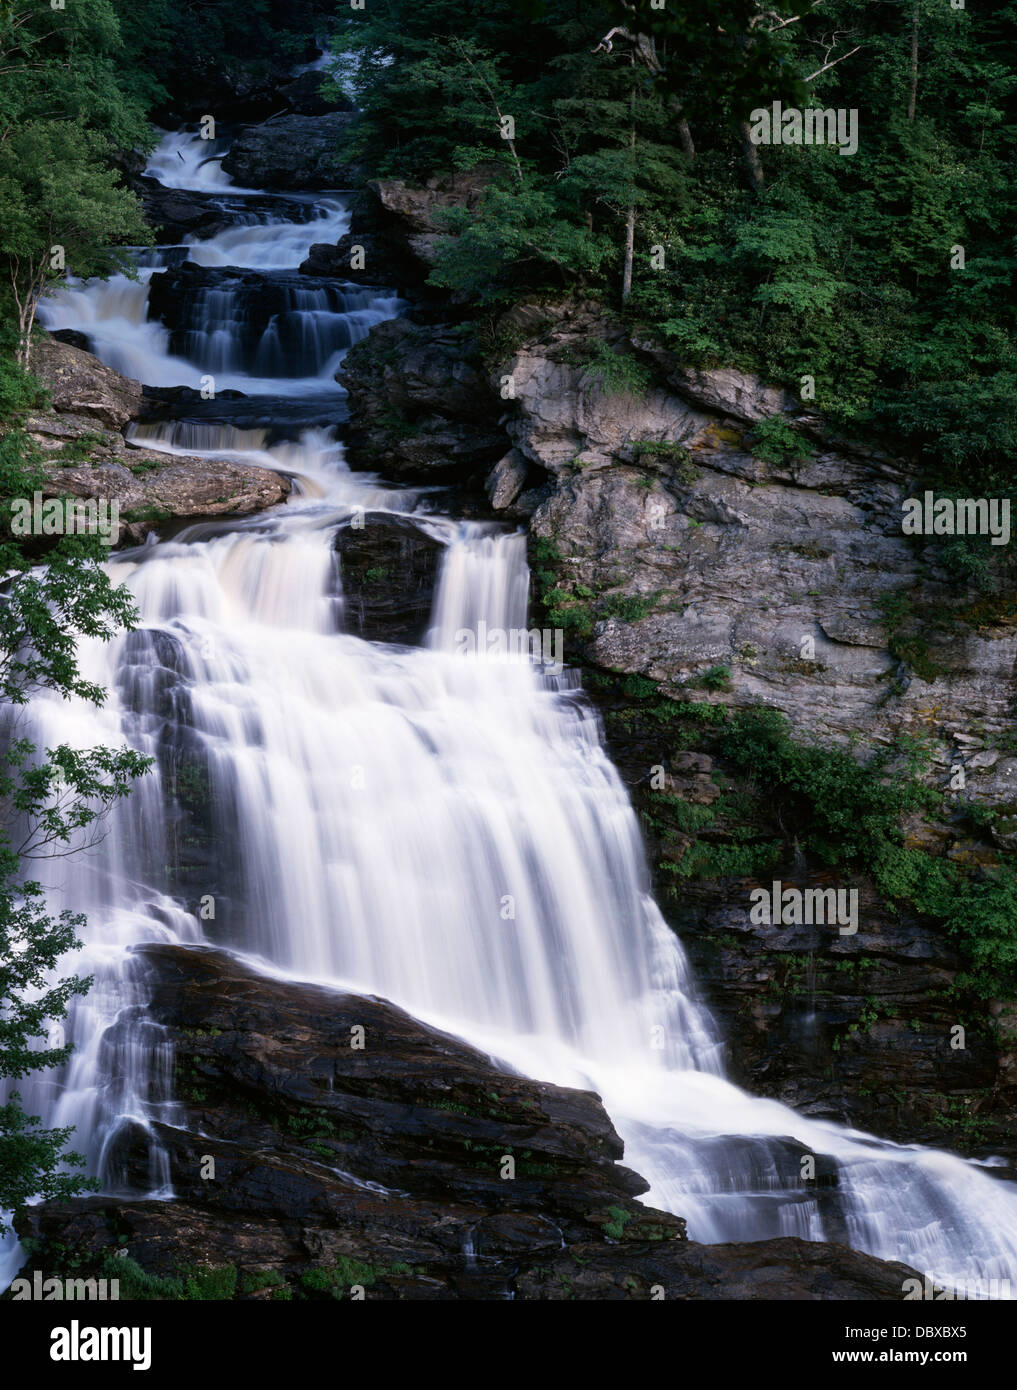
(775, 441)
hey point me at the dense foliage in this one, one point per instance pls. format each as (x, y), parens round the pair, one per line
(178, 52)
(881, 275)
(64, 112)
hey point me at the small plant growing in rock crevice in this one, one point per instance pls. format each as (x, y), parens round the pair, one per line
(775, 441)
(716, 678)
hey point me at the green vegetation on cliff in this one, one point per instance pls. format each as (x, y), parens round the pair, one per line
(626, 170)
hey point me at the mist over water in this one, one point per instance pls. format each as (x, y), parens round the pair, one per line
(440, 829)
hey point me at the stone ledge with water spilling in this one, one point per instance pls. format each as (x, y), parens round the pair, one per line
(87, 454)
(303, 1160)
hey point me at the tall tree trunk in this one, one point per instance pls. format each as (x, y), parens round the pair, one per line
(753, 160)
(685, 138)
(630, 245)
(682, 126)
(26, 300)
(913, 94)
(630, 218)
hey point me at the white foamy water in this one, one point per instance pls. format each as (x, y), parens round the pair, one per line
(183, 159)
(439, 829)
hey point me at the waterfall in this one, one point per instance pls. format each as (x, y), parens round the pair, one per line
(184, 159)
(440, 828)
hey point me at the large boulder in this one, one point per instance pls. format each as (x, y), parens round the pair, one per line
(174, 213)
(420, 408)
(80, 384)
(291, 152)
(389, 569)
(86, 455)
(151, 489)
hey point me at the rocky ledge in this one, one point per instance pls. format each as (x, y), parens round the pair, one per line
(290, 152)
(323, 1141)
(420, 409)
(86, 455)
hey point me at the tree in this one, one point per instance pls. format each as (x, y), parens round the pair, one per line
(62, 210)
(62, 115)
(622, 159)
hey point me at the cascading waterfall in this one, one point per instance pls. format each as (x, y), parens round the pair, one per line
(435, 826)
(184, 159)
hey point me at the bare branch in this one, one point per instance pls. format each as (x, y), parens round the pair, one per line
(826, 67)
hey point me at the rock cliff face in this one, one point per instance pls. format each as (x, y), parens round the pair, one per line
(324, 1141)
(398, 231)
(86, 454)
(779, 570)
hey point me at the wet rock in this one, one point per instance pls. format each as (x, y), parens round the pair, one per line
(85, 454)
(358, 256)
(72, 337)
(389, 568)
(856, 1029)
(506, 480)
(419, 408)
(382, 1165)
(174, 213)
(291, 152)
(785, 1269)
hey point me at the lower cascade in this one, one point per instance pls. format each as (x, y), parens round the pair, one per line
(436, 825)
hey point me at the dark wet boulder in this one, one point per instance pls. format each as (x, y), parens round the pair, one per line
(174, 213)
(291, 152)
(420, 408)
(389, 568)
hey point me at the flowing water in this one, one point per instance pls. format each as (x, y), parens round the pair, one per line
(438, 828)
